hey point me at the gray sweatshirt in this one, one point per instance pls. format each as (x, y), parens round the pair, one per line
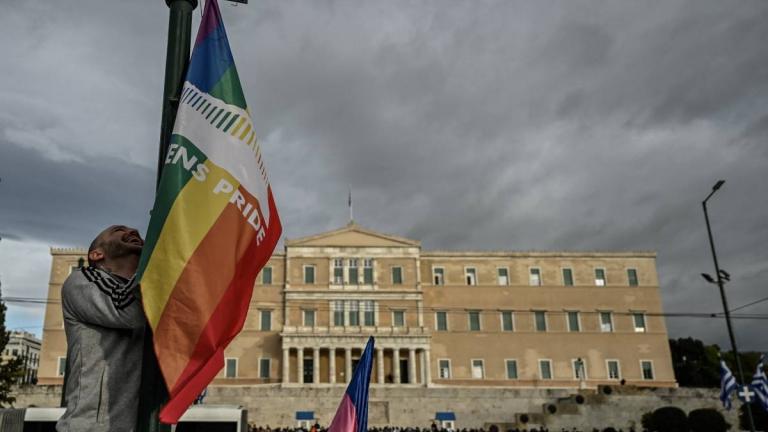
(104, 323)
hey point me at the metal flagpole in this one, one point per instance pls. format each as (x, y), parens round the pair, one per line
(720, 284)
(153, 393)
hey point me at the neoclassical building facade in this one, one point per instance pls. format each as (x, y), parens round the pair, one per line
(440, 318)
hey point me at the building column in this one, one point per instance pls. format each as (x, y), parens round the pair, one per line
(300, 364)
(427, 369)
(380, 365)
(316, 366)
(347, 365)
(286, 365)
(411, 366)
(396, 365)
(420, 313)
(332, 365)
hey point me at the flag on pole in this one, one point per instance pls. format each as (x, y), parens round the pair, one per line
(213, 227)
(760, 383)
(352, 414)
(727, 384)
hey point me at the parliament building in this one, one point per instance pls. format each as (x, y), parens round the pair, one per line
(440, 318)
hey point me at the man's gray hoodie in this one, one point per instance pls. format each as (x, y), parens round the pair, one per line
(104, 323)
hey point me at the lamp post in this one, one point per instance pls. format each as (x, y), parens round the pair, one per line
(722, 277)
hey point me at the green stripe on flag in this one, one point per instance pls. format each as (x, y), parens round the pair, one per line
(229, 89)
(173, 180)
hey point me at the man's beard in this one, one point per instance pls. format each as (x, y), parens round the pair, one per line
(119, 249)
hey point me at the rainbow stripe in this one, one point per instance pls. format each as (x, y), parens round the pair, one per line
(352, 414)
(214, 223)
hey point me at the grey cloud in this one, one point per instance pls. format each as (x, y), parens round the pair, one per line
(497, 125)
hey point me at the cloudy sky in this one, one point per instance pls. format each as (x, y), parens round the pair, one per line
(572, 125)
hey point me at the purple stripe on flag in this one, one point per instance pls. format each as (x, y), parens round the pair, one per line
(212, 20)
(346, 417)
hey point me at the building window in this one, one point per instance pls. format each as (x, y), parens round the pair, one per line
(600, 277)
(369, 317)
(438, 275)
(567, 277)
(511, 369)
(478, 369)
(264, 368)
(606, 322)
(441, 319)
(368, 271)
(309, 274)
(354, 313)
(230, 370)
(470, 275)
(474, 320)
(338, 313)
(444, 368)
(507, 322)
(639, 319)
(338, 271)
(309, 317)
(266, 320)
(534, 276)
(614, 373)
(647, 367)
(397, 275)
(632, 277)
(540, 318)
(579, 368)
(545, 369)
(574, 324)
(398, 318)
(266, 275)
(502, 275)
(353, 273)
(61, 367)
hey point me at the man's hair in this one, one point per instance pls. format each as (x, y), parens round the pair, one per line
(95, 244)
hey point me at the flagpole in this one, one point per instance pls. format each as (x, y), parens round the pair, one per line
(153, 393)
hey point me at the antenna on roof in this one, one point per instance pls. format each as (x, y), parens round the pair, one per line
(349, 203)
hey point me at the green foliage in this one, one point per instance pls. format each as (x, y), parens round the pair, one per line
(695, 364)
(647, 421)
(669, 419)
(11, 370)
(707, 420)
(698, 365)
(759, 415)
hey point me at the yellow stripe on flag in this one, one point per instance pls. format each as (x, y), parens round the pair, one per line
(238, 125)
(192, 215)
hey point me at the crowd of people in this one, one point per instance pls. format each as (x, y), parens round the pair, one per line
(434, 428)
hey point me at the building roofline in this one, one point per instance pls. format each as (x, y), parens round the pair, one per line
(68, 251)
(537, 254)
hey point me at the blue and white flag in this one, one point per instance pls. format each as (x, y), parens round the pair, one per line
(727, 384)
(759, 383)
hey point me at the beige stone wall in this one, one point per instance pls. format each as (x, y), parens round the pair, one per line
(287, 296)
(473, 407)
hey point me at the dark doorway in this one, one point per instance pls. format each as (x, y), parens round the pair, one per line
(308, 370)
(404, 371)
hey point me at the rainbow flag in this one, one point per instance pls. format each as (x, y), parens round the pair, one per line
(352, 414)
(213, 227)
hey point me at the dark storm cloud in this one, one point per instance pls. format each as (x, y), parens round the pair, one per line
(69, 202)
(576, 125)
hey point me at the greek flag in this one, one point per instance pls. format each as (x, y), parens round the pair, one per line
(727, 384)
(760, 383)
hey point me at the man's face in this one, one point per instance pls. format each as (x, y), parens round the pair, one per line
(119, 241)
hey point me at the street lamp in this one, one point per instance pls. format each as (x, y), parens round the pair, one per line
(722, 277)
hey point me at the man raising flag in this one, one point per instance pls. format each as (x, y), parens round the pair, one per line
(214, 223)
(352, 414)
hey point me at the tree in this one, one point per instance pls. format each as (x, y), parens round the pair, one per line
(707, 420)
(759, 415)
(695, 364)
(10, 371)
